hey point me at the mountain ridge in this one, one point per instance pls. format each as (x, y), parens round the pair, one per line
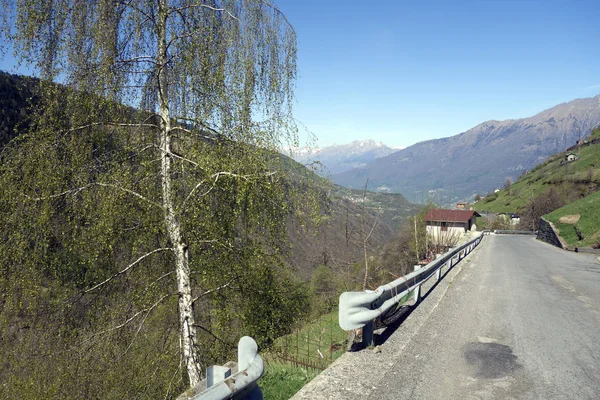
(481, 158)
(338, 158)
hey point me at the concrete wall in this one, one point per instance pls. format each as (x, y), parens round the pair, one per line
(548, 234)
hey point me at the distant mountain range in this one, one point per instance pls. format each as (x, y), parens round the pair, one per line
(478, 160)
(336, 159)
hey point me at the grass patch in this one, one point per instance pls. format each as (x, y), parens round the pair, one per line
(282, 381)
(588, 224)
(319, 341)
(298, 357)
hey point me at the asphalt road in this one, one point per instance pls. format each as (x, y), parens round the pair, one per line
(521, 320)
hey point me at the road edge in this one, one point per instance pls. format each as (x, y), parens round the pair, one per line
(356, 375)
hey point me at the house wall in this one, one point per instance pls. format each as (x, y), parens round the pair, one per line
(472, 226)
(454, 230)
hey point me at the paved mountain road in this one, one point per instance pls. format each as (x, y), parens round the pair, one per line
(521, 321)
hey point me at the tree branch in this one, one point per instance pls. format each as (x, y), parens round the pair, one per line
(128, 320)
(148, 311)
(215, 336)
(280, 13)
(373, 227)
(93, 124)
(180, 9)
(216, 177)
(213, 290)
(79, 189)
(133, 264)
(170, 153)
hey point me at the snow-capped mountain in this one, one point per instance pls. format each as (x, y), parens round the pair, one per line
(480, 159)
(339, 158)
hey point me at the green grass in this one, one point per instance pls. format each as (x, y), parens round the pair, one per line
(282, 381)
(322, 336)
(318, 342)
(573, 177)
(588, 224)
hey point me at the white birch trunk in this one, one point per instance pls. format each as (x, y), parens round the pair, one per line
(187, 329)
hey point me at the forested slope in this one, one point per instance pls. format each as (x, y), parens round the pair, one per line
(88, 293)
(15, 93)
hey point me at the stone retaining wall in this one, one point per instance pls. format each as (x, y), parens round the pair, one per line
(547, 233)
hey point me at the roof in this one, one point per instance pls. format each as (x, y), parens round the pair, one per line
(450, 215)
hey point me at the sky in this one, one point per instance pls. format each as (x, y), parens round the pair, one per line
(401, 72)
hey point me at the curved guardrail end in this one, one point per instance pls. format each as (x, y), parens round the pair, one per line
(241, 385)
(355, 308)
(247, 351)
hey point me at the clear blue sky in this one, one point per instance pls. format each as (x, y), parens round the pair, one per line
(402, 71)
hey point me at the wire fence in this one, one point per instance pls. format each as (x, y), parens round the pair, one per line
(313, 347)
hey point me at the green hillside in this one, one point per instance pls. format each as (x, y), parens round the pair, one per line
(571, 180)
(582, 215)
(391, 208)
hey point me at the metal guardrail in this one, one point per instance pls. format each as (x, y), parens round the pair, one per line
(513, 232)
(359, 309)
(233, 380)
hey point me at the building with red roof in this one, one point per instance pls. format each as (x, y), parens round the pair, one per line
(445, 227)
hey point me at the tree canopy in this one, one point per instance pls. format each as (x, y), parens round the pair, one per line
(148, 183)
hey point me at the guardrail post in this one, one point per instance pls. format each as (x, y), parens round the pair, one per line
(216, 374)
(367, 334)
(234, 380)
(359, 309)
(417, 294)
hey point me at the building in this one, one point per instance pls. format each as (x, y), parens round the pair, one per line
(512, 218)
(571, 157)
(461, 206)
(445, 227)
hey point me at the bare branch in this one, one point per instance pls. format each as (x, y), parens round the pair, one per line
(170, 153)
(213, 290)
(160, 278)
(180, 9)
(137, 9)
(216, 178)
(128, 320)
(144, 59)
(109, 123)
(131, 192)
(79, 189)
(141, 325)
(374, 226)
(53, 196)
(133, 264)
(214, 336)
(281, 14)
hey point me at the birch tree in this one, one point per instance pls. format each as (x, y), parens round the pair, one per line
(164, 125)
